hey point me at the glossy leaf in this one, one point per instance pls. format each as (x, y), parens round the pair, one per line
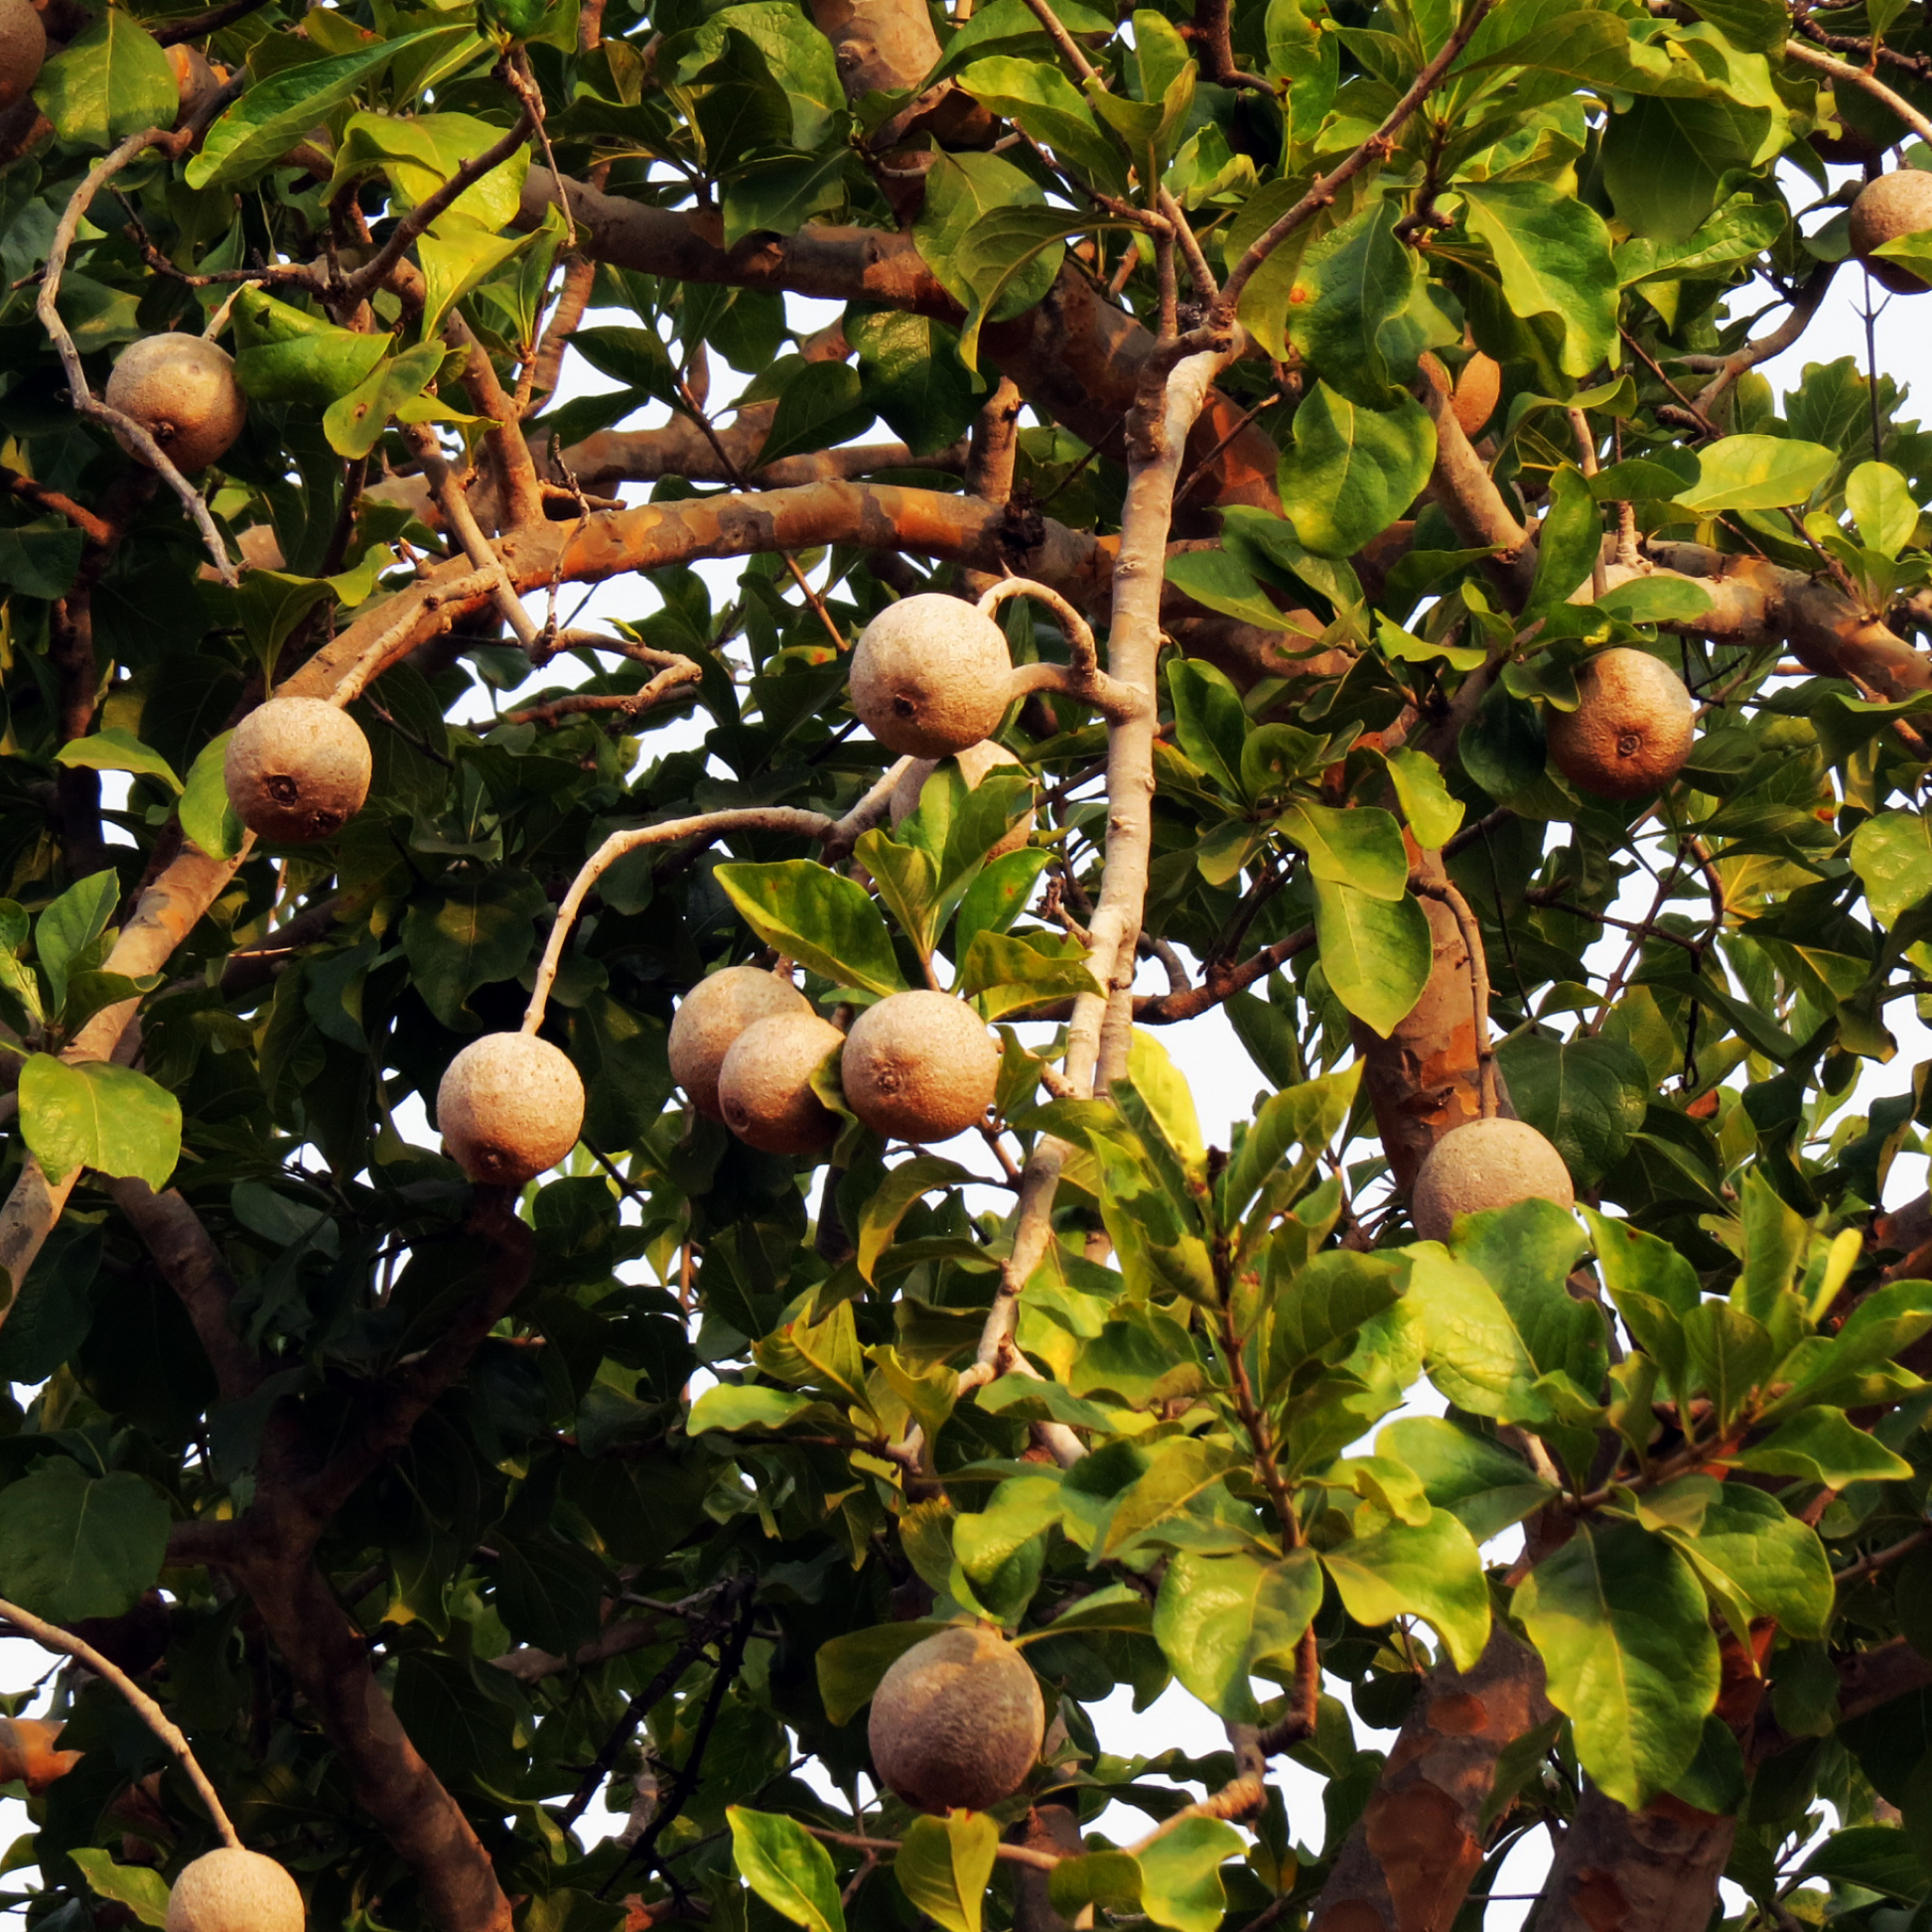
(1353, 469)
(110, 80)
(1431, 1571)
(1620, 1620)
(818, 917)
(1375, 951)
(89, 1114)
(75, 1546)
(787, 1868)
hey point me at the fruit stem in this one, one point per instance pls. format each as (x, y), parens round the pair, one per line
(707, 825)
(52, 1638)
(1447, 894)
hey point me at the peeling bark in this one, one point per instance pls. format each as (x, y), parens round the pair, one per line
(1408, 1864)
(1649, 1870)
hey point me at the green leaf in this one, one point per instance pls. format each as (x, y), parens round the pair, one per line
(960, 188)
(822, 405)
(1585, 1096)
(419, 154)
(1180, 1875)
(1433, 1571)
(39, 559)
(1882, 507)
(207, 817)
(732, 1405)
(1375, 952)
(1758, 1561)
(944, 1865)
(93, 1115)
(1653, 1287)
(888, 1203)
(1433, 816)
(819, 917)
(1110, 1880)
(72, 923)
(1874, 1857)
(1483, 1485)
(787, 1868)
(1891, 853)
(75, 1546)
(1220, 1619)
(140, 1887)
(473, 929)
(274, 114)
(1552, 253)
(1569, 539)
(1361, 847)
(1037, 97)
(1352, 471)
(1824, 1446)
(1308, 1116)
(456, 256)
(1221, 583)
(312, 369)
(1619, 1618)
(355, 424)
(113, 749)
(912, 377)
(1357, 310)
(850, 1666)
(1209, 720)
(1730, 1352)
(112, 81)
(1756, 472)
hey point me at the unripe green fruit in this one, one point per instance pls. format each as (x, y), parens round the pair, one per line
(232, 1890)
(957, 1721)
(511, 1106)
(1482, 1164)
(974, 763)
(1631, 730)
(929, 676)
(1897, 204)
(710, 1018)
(919, 1066)
(183, 392)
(297, 768)
(22, 50)
(765, 1087)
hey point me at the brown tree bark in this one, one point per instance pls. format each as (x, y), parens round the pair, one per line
(1649, 1870)
(1408, 1864)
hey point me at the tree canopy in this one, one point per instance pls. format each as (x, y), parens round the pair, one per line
(1309, 460)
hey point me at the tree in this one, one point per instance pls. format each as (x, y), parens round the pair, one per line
(1362, 376)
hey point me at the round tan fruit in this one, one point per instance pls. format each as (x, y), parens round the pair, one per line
(929, 676)
(22, 50)
(1897, 204)
(974, 763)
(297, 770)
(919, 1066)
(765, 1087)
(957, 1721)
(710, 1018)
(1485, 1163)
(232, 1890)
(182, 392)
(195, 79)
(509, 1106)
(1631, 730)
(1473, 394)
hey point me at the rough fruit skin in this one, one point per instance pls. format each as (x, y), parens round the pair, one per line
(710, 1018)
(1894, 205)
(919, 1066)
(195, 79)
(1473, 394)
(1631, 731)
(974, 763)
(1485, 1163)
(297, 770)
(957, 1721)
(765, 1087)
(234, 1891)
(22, 50)
(182, 392)
(511, 1106)
(929, 676)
